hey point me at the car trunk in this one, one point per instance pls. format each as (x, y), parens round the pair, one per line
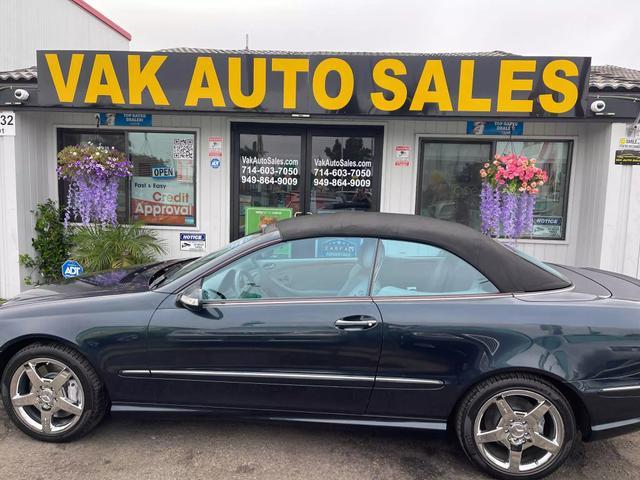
(592, 280)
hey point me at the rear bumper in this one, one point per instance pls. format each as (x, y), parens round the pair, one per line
(613, 410)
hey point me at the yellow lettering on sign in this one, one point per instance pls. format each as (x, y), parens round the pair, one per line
(389, 83)
(141, 78)
(204, 71)
(433, 72)
(343, 69)
(290, 67)
(507, 84)
(562, 85)
(259, 82)
(66, 90)
(466, 101)
(102, 66)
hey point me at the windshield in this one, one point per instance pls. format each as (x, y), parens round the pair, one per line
(537, 262)
(197, 263)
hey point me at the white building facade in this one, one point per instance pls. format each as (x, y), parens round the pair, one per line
(587, 215)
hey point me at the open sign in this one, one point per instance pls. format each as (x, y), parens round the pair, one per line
(163, 172)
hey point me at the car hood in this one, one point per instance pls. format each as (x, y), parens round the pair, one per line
(111, 282)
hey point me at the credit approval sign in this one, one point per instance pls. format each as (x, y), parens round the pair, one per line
(351, 84)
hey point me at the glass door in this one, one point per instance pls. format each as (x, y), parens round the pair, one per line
(344, 170)
(280, 171)
(268, 179)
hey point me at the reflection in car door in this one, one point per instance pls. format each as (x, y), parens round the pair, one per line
(302, 354)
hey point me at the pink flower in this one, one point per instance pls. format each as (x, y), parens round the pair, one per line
(483, 173)
(486, 165)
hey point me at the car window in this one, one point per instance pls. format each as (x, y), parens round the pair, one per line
(306, 268)
(409, 269)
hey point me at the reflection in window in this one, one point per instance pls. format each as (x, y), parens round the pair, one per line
(549, 216)
(162, 188)
(414, 269)
(269, 178)
(342, 173)
(450, 182)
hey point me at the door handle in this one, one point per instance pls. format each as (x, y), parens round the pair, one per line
(356, 322)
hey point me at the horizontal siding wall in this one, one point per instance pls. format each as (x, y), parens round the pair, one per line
(35, 152)
(399, 183)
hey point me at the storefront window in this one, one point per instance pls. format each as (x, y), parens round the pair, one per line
(162, 188)
(449, 181)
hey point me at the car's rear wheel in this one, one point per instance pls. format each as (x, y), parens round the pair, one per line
(52, 393)
(516, 426)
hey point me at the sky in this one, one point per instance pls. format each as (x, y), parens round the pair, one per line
(605, 31)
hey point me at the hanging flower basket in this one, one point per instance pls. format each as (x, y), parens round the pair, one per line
(93, 172)
(510, 185)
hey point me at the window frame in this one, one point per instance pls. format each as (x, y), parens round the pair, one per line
(493, 140)
(124, 130)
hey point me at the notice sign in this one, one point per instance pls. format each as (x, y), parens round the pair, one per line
(547, 227)
(162, 202)
(402, 153)
(495, 128)
(628, 151)
(7, 124)
(71, 269)
(193, 242)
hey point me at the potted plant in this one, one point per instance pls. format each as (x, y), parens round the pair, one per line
(510, 185)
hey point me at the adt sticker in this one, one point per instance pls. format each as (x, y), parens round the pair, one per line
(71, 269)
(215, 162)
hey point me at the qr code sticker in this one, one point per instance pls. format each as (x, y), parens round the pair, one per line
(182, 149)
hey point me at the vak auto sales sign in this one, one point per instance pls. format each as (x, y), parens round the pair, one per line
(355, 84)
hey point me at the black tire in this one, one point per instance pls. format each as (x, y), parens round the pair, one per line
(95, 397)
(485, 393)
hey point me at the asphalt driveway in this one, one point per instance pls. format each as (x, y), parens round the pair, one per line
(125, 448)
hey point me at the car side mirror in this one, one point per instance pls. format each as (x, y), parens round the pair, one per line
(191, 299)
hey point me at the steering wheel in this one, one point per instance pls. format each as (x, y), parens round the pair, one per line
(242, 282)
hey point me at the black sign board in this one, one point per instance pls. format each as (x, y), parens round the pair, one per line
(355, 84)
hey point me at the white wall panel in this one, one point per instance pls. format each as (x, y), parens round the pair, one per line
(30, 25)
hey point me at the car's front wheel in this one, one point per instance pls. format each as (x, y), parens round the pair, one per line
(52, 393)
(516, 426)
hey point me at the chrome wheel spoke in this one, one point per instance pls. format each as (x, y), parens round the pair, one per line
(45, 420)
(66, 406)
(489, 436)
(34, 378)
(544, 443)
(515, 459)
(504, 408)
(24, 400)
(538, 412)
(60, 379)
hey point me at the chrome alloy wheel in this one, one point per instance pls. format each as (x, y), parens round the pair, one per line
(46, 396)
(519, 432)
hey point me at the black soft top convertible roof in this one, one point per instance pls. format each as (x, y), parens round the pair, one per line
(508, 271)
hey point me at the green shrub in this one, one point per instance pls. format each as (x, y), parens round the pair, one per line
(51, 245)
(106, 247)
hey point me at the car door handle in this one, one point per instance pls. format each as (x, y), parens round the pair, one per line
(356, 322)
